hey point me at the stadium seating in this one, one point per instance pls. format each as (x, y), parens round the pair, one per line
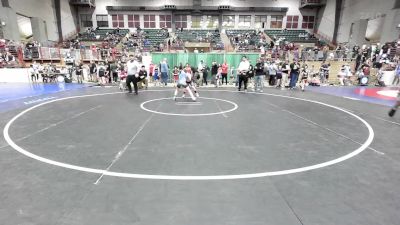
(253, 41)
(101, 33)
(300, 36)
(154, 36)
(201, 36)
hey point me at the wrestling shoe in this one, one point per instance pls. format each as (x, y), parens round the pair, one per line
(392, 112)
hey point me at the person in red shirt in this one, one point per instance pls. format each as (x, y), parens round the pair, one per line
(151, 72)
(224, 72)
(176, 75)
(188, 69)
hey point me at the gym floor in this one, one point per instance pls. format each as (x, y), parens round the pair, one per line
(91, 155)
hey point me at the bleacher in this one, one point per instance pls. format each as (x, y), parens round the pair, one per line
(295, 36)
(101, 34)
(154, 36)
(253, 40)
(32, 53)
(201, 36)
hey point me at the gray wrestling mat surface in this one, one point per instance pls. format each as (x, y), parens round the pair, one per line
(98, 156)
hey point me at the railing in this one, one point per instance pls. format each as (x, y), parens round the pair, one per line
(90, 2)
(57, 54)
(311, 2)
(311, 55)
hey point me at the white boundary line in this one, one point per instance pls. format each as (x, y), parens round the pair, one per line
(219, 108)
(188, 103)
(355, 99)
(177, 177)
(235, 106)
(54, 124)
(120, 153)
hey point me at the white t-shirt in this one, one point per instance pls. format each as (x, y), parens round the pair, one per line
(132, 67)
(31, 71)
(188, 77)
(244, 66)
(200, 67)
(35, 67)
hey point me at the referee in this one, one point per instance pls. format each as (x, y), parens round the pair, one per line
(133, 75)
(243, 68)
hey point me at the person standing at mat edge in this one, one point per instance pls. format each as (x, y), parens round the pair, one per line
(396, 106)
(164, 68)
(242, 72)
(133, 75)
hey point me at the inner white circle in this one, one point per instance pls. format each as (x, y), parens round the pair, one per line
(235, 106)
(177, 177)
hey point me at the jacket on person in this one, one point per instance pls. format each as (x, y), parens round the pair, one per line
(259, 69)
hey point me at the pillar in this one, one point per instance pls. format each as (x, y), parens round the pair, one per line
(39, 30)
(391, 31)
(359, 30)
(8, 23)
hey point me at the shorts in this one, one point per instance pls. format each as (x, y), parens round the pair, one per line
(182, 85)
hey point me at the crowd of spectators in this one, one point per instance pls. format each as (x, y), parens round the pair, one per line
(247, 39)
(8, 51)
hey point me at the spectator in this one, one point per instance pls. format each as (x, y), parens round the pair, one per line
(32, 74)
(259, 77)
(79, 72)
(272, 71)
(294, 74)
(200, 69)
(143, 78)
(92, 72)
(164, 69)
(224, 72)
(214, 71)
(285, 74)
(102, 73)
(396, 79)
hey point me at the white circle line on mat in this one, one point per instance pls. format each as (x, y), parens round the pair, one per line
(235, 106)
(178, 177)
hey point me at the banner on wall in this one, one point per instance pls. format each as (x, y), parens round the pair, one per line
(176, 59)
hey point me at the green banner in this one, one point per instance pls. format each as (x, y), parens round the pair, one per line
(175, 59)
